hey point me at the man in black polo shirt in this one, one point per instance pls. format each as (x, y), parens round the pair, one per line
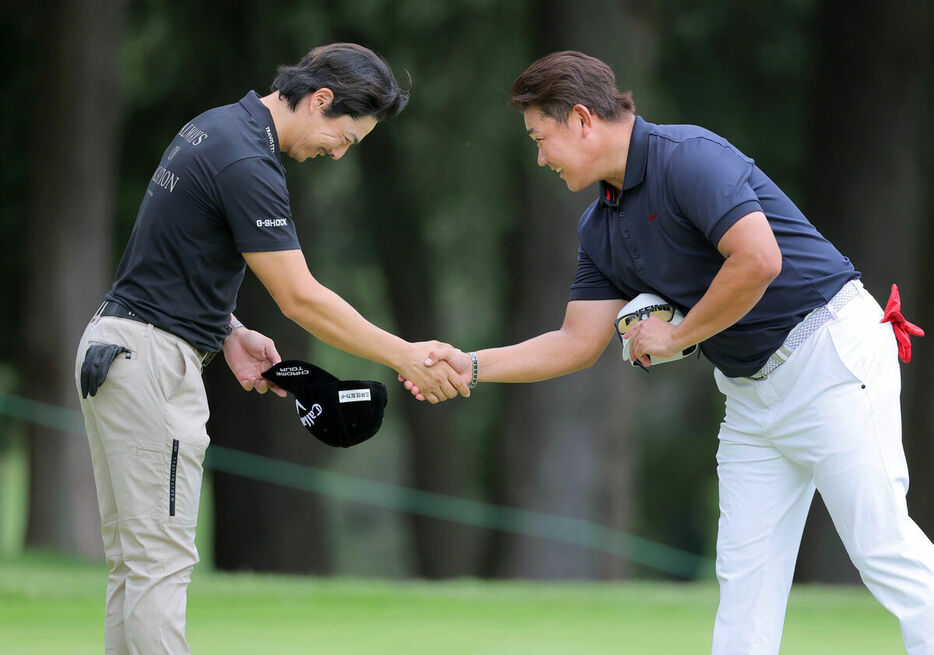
(808, 368)
(217, 203)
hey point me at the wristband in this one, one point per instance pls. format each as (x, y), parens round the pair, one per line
(475, 370)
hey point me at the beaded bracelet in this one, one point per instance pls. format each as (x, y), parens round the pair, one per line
(475, 373)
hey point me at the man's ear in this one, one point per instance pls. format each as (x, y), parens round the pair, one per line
(581, 117)
(321, 99)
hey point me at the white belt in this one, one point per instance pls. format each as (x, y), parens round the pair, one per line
(808, 326)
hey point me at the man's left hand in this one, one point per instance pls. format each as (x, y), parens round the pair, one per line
(651, 336)
(248, 354)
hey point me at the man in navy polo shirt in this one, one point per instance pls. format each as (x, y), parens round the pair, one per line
(809, 371)
(217, 203)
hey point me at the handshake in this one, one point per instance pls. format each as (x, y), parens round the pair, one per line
(431, 370)
(437, 371)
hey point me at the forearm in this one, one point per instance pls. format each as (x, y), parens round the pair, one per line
(334, 321)
(735, 290)
(752, 259)
(543, 357)
(331, 319)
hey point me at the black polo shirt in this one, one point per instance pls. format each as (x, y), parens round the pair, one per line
(684, 188)
(218, 191)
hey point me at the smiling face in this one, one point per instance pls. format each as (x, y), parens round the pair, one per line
(563, 147)
(316, 134)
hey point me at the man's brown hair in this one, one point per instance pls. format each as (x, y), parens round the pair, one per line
(557, 82)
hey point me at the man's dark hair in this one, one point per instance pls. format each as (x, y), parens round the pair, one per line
(557, 82)
(362, 82)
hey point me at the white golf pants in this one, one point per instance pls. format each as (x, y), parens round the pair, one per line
(146, 429)
(827, 419)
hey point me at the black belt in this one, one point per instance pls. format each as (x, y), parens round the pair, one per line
(110, 308)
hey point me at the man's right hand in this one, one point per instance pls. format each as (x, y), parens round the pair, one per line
(429, 382)
(454, 360)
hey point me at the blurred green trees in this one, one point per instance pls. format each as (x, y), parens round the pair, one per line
(440, 226)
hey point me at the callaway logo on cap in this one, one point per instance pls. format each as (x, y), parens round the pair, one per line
(340, 413)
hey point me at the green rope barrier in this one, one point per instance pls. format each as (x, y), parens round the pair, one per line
(40, 413)
(577, 532)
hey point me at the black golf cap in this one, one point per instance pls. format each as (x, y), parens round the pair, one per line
(341, 413)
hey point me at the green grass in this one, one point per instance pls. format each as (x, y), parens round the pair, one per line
(54, 607)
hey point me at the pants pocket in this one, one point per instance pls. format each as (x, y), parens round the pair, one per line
(96, 365)
(171, 369)
(140, 482)
(850, 344)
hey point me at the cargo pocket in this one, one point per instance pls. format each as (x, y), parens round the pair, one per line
(142, 477)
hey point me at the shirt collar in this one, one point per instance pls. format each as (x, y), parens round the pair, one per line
(635, 162)
(263, 118)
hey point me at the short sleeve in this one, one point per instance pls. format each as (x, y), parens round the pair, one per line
(255, 201)
(589, 283)
(709, 183)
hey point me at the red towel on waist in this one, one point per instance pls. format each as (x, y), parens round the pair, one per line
(903, 329)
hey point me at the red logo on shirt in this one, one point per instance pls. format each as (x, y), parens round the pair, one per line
(653, 216)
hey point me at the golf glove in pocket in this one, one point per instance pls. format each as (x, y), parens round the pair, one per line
(97, 361)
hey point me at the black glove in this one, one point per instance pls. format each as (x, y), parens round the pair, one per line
(97, 361)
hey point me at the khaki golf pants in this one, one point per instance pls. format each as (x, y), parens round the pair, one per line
(146, 430)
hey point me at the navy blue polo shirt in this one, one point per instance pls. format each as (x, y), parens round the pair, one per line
(684, 188)
(218, 191)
